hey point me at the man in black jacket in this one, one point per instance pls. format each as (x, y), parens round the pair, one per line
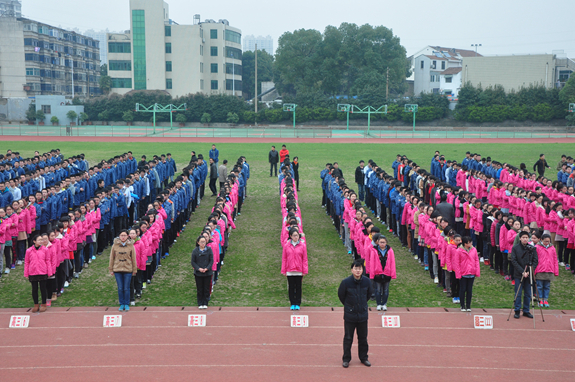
(541, 165)
(273, 158)
(354, 293)
(360, 179)
(523, 256)
(446, 210)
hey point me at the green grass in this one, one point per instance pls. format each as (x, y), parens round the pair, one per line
(251, 275)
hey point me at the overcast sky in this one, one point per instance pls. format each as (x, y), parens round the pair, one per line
(501, 26)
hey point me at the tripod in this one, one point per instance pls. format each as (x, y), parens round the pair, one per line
(532, 296)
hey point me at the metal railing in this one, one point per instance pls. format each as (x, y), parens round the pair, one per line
(278, 132)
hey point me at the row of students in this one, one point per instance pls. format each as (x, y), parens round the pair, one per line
(212, 245)
(292, 238)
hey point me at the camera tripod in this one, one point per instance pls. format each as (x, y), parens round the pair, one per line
(532, 295)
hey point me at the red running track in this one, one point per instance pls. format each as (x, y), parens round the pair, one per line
(247, 344)
(12, 138)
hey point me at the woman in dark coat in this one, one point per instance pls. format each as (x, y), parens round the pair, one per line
(202, 261)
(295, 166)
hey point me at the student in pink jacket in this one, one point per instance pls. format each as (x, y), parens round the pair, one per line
(382, 269)
(547, 269)
(294, 266)
(36, 269)
(466, 266)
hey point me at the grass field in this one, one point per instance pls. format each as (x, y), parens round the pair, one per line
(251, 274)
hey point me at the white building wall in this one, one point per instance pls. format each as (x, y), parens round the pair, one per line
(454, 86)
(12, 64)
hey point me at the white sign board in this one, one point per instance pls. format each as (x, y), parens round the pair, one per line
(573, 324)
(197, 320)
(299, 321)
(114, 321)
(483, 322)
(19, 321)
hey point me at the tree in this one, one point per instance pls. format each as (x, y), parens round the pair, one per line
(40, 116)
(567, 94)
(128, 116)
(233, 117)
(181, 118)
(104, 116)
(31, 113)
(83, 117)
(104, 70)
(265, 71)
(105, 83)
(54, 120)
(206, 118)
(72, 116)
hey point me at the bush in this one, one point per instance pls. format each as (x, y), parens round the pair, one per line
(104, 116)
(84, 117)
(55, 120)
(128, 116)
(181, 118)
(40, 116)
(72, 115)
(232, 118)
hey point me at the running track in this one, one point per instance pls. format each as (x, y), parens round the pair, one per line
(285, 140)
(258, 344)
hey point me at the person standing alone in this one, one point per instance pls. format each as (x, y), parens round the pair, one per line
(223, 173)
(360, 179)
(541, 165)
(213, 177)
(354, 292)
(273, 158)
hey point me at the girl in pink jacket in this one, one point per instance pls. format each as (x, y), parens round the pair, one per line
(547, 269)
(382, 269)
(466, 266)
(36, 269)
(294, 266)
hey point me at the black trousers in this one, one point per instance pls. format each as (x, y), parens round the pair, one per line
(213, 188)
(294, 289)
(43, 291)
(363, 347)
(274, 167)
(204, 287)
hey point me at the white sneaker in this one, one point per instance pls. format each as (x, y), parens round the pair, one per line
(379, 307)
(384, 307)
(436, 280)
(463, 310)
(481, 259)
(133, 303)
(143, 285)
(415, 257)
(19, 262)
(562, 264)
(90, 261)
(7, 271)
(469, 310)
(66, 284)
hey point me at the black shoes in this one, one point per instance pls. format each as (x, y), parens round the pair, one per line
(366, 363)
(345, 364)
(527, 314)
(516, 314)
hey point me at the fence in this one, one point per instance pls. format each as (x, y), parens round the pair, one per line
(275, 132)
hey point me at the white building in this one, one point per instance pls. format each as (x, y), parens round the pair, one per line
(11, 8)
(160, 54)
(101, 37)
(264, 43)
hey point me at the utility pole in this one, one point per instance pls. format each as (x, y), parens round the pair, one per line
(256, 81)
(387, 85)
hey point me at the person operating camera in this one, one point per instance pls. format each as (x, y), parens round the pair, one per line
(524, 258)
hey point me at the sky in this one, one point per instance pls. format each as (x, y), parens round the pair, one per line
(503, 27)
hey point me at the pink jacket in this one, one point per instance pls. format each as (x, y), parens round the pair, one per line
(503, 238)
(294, 258)
(466, 263)
(23, 221)
(547, 260)
(140, 254)
(37, 262)
(375, 264)
(31, 219)
(450, 255)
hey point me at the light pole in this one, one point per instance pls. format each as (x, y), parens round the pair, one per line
(475, 45)
(72, 65)
(233, 75)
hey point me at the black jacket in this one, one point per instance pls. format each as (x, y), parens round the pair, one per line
(540, 165)
(295, 168)
(203, 259)
(337, 173)
(274, 156)
(447, 212)
(359, 175)
(354, 295)
(213, 171)
(522, 256)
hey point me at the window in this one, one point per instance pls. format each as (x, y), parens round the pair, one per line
(213, 34)
(168, 47)
(213, 51)
(448, 79)
(201, 67)
(47, 109)
(201, 50)
(201, 84)
(168, 83)
(233, 36)
(214, 85)
(230, 68)
(120, 65)
(230, 85)
(32, 71)
(168, 30)
(118, 47)
(214, 68)
(433, 66)
(432, 78)
(233, 53)
(139, 42)
(422, 64)
(442, 65)
(122, 83)
(201, 33)
(168, 66)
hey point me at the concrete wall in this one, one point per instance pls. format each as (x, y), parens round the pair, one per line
(14, 109)
(59, 108)
(512, 72)
(12, 67)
